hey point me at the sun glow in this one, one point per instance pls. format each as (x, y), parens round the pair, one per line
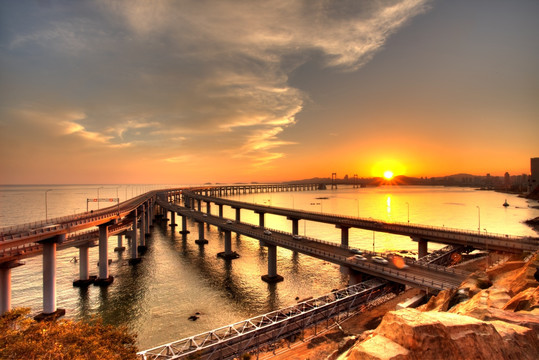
(388, 169)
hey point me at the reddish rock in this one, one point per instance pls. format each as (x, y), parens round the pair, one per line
(526, 300)
(439, 302)
(377, 347)
(520, 279)
(476, 306)
(409, 334)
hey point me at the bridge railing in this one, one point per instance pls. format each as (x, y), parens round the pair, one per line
(373, 222)
(399, 274)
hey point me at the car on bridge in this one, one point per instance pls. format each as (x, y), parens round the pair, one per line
(356, 251)
(360, 258)
(267, 232)
(296, 237)
(229, 222)
(379, 260)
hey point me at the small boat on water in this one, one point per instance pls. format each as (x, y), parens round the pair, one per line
(506, 204)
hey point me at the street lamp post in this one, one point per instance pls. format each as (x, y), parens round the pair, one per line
(478, 219)
(46, 205)
(98, 196)
(408, 212)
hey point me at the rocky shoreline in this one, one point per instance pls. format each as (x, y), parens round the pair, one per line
(494, 314)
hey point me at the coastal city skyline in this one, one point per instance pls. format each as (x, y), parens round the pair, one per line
(138, 92)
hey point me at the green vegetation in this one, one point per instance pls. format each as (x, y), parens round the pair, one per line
(21, 337)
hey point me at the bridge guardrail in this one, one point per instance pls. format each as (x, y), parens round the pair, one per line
(373, 222)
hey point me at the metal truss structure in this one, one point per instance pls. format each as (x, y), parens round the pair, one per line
(249, 335)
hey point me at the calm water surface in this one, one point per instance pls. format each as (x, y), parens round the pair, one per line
(178, 278)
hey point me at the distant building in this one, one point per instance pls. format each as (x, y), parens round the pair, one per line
(507, 181)
(534, 177)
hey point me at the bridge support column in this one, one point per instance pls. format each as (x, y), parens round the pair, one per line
(172, 219)
(295, 225)
(120, 246)
(84, 273)
(49, 279)
(272, 276)
(142, 240)
(260, 218)
(208, 207)
(228, 253)
(5, 285)
(184, 226)
(147, 219)
(238, 214)
(134, 241)
(103, 279)
(201, 240)
(220, 208)
(199, 205)
(422, 248)
(344, 234)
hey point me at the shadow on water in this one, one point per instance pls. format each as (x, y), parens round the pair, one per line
(222, 275)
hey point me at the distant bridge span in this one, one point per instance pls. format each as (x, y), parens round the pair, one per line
(420, 233)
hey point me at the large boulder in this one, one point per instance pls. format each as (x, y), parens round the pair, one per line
(493, 297)
(410, 334)
(519, 279)
(526, 300)
(439, 302)
(378, 347)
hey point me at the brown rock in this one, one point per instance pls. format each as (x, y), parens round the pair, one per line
(476, 282)
(503, 268)
(493, 297)
(409, 334)
(521, 318)
(439, 302)
(378, 347)
(526, 300)
(523, 340)
(520, 279)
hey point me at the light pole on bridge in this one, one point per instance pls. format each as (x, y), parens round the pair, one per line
(408, 212)
(46, 205)
(98, 196)
(478, 219)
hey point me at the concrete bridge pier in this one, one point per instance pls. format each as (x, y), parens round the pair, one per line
(84, 270)
(172, 219)
(147, 220)
(220, 210)
(422, 247)
(272, 276)
(49, 279)
(5, 285)
(120, 246)
(142, 241)
(228, 253)
(135, 259)
(103, 279)
(199, 205)
(260, 218)
(344, 234)
(208, 207)
(201, 240)
(184, 230)
(238, 213)
(295, 225)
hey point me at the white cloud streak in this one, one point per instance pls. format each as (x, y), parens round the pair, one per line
(178, 74)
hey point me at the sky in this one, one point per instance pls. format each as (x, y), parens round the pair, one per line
(189, 92)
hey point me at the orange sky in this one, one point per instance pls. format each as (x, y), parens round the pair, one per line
(155, 92)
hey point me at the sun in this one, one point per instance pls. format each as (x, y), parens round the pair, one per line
(388, 174)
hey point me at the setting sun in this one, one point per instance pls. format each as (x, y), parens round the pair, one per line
(388, 174)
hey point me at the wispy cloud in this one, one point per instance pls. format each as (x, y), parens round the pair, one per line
(186, 75)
